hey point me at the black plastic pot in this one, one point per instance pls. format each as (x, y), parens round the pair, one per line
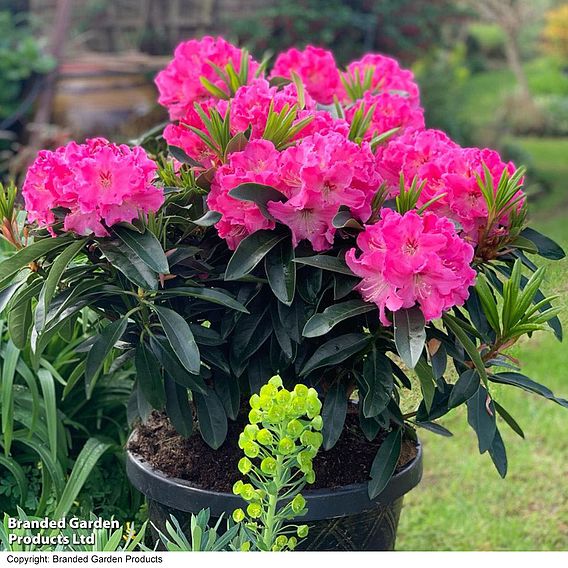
(340, 519)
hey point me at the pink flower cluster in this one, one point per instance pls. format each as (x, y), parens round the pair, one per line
(449, 174)
(180, 84)
(411, 259)
(96, 185)
(318, 175)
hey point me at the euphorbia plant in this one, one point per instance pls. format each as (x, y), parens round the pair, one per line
(304, 223)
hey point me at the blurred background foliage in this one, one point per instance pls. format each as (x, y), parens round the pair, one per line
(491, 72)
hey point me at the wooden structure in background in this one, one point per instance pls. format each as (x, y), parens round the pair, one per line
(117, 25)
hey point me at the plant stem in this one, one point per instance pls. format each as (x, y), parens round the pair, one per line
(269, 529)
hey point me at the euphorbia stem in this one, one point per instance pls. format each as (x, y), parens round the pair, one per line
(268, 534)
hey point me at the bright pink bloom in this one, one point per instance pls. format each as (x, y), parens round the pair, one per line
(98, 184)
(408, 259)
(391, 111)
(387, 77)
(179, 83)
(315, 66)
(257, 163)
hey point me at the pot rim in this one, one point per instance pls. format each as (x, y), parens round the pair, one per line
(340, 501)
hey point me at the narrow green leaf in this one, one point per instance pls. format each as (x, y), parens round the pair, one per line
(146, 247)
(466, 386)
(326, 262)
(498, 454)
(250, 252)
(427, 382)
(259, 194)
(384, 464)
(334, 412)
(99, 351)
(481, 417)
(409, 334)
(211, 418)
(50, 405)
(9, 364)
(513, 424)
(177, 407)
(181, 338)
(281, 271)
(518, 380)
(378, 383)
(149, 376)
(320, 324)
(546, 247)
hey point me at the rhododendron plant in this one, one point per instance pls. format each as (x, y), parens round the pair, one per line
(306, 224)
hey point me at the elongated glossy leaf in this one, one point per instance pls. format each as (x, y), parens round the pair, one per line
(326, 262)
(335, 351)
(435, 428)
(409, 334)
(103, 345)
(181, 338)
(20, 319)
(513, 424)
(55, 273)
(546, 247)
(427, 382)
(9, 363)
(334, 412)
(465, 387)
(211, 418)
(213, 295)
(182, 157)
(86, 462)
(31, 253)
(259, 194)
(320, 324)
(132, 266)
(250, 252)
(481, 417)
(178, 408)
(146, 247)
(229, 392)
(378, 383)
(384, 463)
(208, 220)
(498, 454)
(281, 271)
(50, 406)
(149, 376)
(171, 364)
(518, 380)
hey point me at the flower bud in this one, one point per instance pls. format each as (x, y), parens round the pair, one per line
(251, 449)
(281, 541)
(247, 492)
(301, 390)
(275, 381)
(250, 431)
(294, 428)
(310, 476)
(317, 423)
(292, 542)
(255, 401)
(255, 416)
(268, 391)
(254, 510)
(303, 531)
(283, 397)
(237, 487)
(238, 515)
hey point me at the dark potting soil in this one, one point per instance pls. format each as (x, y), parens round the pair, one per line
(191, 459)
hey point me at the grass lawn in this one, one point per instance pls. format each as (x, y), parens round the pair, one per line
(462, 503)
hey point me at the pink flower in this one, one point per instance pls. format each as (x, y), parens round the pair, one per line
(315, 66)
(257, 163)
(98, 184)
(408, 259)
(387, 76)
(391, 111)
(179, 84)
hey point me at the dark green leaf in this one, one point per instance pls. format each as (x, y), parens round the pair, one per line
(513, 424)
(149, 376)
(518, 380)
(435, 428)
(326, 262)
(132, 266)
(100, 349)
(29, 254)
(466, 386)
(182, 157)
(481, 417)
(213, 295)
(229, 392)
(20, 317)
(334, 412)
(335, 351)
(320, 324)
(384, 463)
(546, 247)
(409, 334)
(427, 381)
(259, 194)
(146, 247)
(377, 383)
(250, 252)
(180, 337)
(211, 418)
(281, 271)
(208, 220)
(498, 454)
(177, 407)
